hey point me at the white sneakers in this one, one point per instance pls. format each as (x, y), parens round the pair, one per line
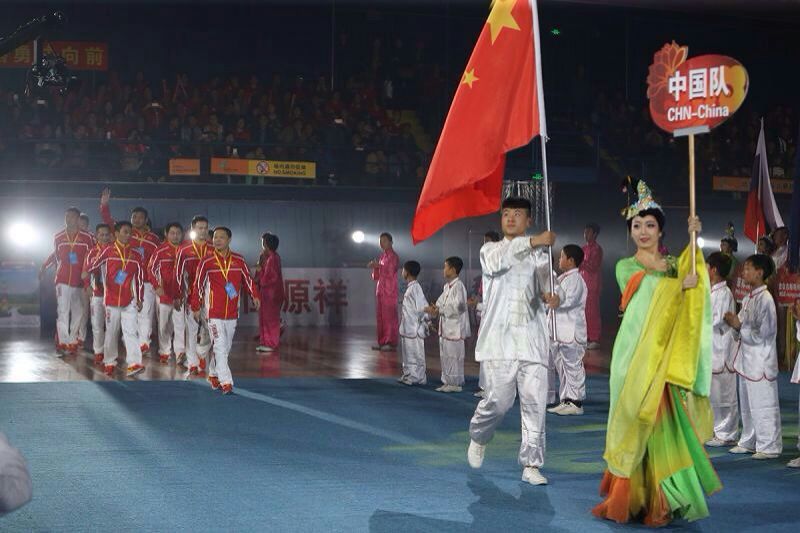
(566, 409)
(794, 463)
(532, 475)
(475, 454)
(449, 388)
(479, 394)
(262, 348)
(738, 450)
(762, 455)
(719, 443)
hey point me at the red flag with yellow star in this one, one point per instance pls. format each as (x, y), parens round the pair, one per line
(498, 107)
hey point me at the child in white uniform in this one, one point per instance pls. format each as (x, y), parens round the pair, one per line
(451, 308)
(413, 328)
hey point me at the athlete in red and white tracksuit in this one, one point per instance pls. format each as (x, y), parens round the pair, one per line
(220, 280)
(93, 284)
(70, 248)
(124, 287)
(145, 242)
(188, 260)
(171, 315)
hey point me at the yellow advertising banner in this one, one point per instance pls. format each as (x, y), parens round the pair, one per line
(184, 167)
(737, 184)
(261, 167)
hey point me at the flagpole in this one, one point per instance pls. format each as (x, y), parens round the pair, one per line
(692, 203)
(543, 136)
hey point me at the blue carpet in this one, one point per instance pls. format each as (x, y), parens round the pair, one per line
(328, 455)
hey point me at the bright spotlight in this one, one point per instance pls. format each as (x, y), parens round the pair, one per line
(22, 234)
(701, 242)
(193, 234)
(358, 236)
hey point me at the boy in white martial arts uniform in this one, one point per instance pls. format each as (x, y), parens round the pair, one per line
(451, 308)
(413, 327)
(795, 463)
(724, 401)
(513, 342)
(569, 345)
(756, 362)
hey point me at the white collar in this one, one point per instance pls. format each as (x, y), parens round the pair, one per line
(718, 285)
(756, 292)
(569, 272)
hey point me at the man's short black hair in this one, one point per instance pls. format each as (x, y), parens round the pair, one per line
(456, 263)
(387, 235)
(412, 267)
(172, 225)
(222, 228)
(198, 218)
(101, 226)
(121, 224)
(516, 202)
(574, 252)
(271, 241)
(594, 227)
(763, 263)
(721, 262)
(493, 236)
(140, 209)
(73, 209)
(769, 244)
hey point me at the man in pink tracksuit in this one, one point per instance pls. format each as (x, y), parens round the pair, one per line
(270, 285)
(592, 271)
(384, 271)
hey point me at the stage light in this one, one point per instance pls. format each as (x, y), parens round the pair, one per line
(193, 234)
(22, 234)
(701, 242)
(358, 236)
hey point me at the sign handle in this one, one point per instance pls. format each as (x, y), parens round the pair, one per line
(692, 202)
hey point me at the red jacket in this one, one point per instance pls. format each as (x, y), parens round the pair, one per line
(213, 275)
(161, 272)
(70, 253)
(189, 257)
(270, 280)
(118, 258)
(95, 279)
(145, 242)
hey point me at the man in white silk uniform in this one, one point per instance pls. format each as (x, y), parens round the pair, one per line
(451, 308)
(513, 341)
(724, 401)
(756, 362)
(569, 344)
(413, 326)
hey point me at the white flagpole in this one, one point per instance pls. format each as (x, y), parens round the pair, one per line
(537, 51)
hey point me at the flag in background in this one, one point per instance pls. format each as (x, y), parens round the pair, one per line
(498, 106)
(794, 217)
(762, 215)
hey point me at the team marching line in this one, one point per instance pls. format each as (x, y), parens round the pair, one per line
(687, 370)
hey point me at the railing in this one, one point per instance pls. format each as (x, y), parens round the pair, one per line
(148, 160)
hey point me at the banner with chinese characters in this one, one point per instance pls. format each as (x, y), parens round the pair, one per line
(788, 287)
(703, 91)
(260, 167)
(78, 55)
(184, 167)
(740, 287)
(737, 184)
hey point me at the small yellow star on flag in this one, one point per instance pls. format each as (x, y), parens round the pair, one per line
(500, 17)
(469, 77)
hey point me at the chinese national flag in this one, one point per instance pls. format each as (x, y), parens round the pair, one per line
(498, 107)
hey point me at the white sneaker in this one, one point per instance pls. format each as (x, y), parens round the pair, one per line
(719, 443)
(570, 409)
(406, 381)
(556, 409)
(762, 455)
(738, 449)
(794, 463)
(479, 394)
(453, 388)
(261, 348)
(441, 388)
(532, 475)
(475, 454)
(387, 348)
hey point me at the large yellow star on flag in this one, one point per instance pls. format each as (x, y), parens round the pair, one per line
(469, 77)
(500, 17)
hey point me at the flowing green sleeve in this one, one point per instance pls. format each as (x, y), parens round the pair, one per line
(625, 269)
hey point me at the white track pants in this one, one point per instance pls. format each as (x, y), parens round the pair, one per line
(568, 359)
(196, 349)
(222, 339)
(502, 380)
(69, 312)
(84, 318)
(124, 319)
(171, 329)
(413, 350)
(761, 417)
(452, 358)
(98, 314)
(725, 404)
(147, 314)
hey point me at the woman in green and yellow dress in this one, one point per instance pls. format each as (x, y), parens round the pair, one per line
(659, 416)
